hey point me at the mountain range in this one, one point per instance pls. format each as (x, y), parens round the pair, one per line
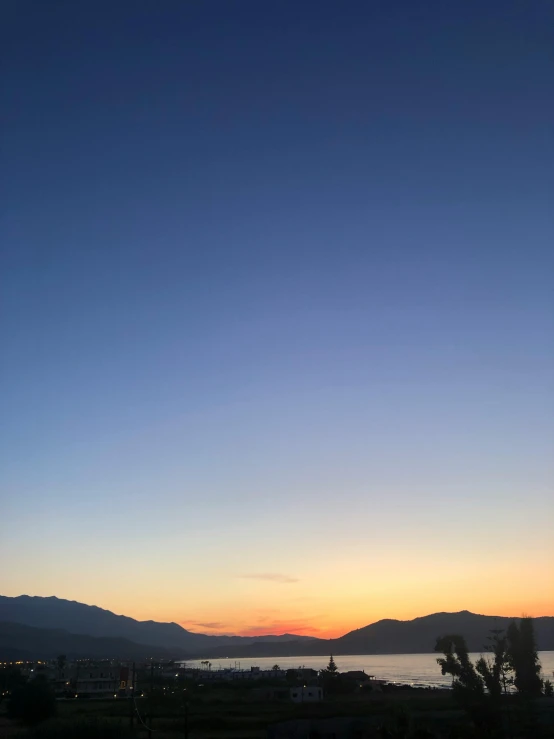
(20, 642)
(78, 618)
(34, 627)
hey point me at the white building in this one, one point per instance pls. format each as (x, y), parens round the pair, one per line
(306, 694)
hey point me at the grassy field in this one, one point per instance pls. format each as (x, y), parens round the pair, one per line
(228, 712)
(233, 714)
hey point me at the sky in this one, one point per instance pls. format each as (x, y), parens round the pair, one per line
(276, 309)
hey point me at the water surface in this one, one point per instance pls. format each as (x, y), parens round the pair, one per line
(411, 669)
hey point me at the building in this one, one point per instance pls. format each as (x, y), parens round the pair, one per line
(306, 694)
(362, 679)
(271, 694)
(231, 674)
(104, 680)
(83, 678)
(306, 675)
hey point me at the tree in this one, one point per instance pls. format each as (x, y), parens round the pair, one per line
(33, 702)
(11, 679)
(329, 678)
(467, 683)
(523, 657)
(61, 661)
(275, 668)
(291, 676)
(496, 673)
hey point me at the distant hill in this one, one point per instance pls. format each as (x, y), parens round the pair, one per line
(19, 642)
(78, 618)
(419, 635)
(395, 637)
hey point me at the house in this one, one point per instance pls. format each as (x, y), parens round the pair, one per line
(306, 694)
(362, 679)
(270, 694)
(306, 675)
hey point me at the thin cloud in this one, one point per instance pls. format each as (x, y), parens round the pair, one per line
(270, 577)
(211, 625)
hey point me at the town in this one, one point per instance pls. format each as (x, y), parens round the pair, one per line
(108, 679)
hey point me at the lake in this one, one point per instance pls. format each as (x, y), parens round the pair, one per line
(411, 669)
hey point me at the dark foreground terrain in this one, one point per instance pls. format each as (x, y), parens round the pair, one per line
(218, 712)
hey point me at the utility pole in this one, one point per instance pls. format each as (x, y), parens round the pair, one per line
(131, 705)
(150, 703)
(186, 726)
(132, 700)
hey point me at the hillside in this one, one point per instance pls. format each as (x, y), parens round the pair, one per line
(19, 642)
(419, 635)
(78, 618)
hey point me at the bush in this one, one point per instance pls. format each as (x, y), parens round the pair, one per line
(92, 728)
(33, 702)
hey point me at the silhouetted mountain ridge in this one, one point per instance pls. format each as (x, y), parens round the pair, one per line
(20, 642)
(391, 636)
(78, 618)
(387, 636)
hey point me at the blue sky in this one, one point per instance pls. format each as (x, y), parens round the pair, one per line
(274, 273)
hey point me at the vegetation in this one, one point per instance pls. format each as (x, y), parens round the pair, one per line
(467, 683)
(83, 728)
(32, 702)
(523, 658)
(493, 697)
(495, 673)
(486, 690)
(238, 710)
(515, 662)
(10, 679)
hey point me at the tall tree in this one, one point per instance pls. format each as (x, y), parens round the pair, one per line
(524, 658)
(466, 682)
(468, 686)
(495, 672)
(332, 668)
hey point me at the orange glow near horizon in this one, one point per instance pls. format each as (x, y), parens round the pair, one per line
(278, 608)
(330, 630)
(311, 615)
(312, 593)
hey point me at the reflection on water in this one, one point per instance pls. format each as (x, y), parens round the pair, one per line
(414, 669)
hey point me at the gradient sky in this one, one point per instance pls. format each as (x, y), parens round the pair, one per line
(277, 309)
